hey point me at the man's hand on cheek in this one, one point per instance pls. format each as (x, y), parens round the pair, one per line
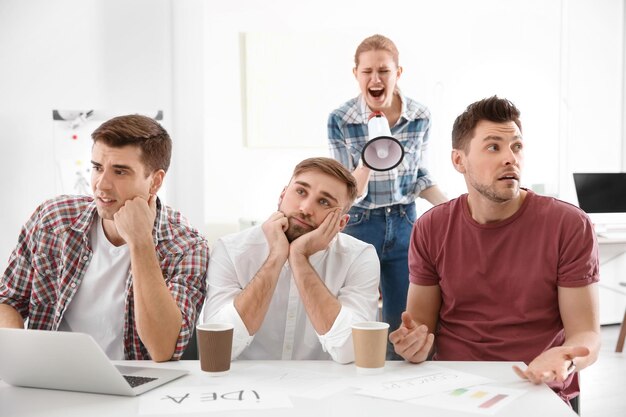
(318, 239)
(135, 219)
(274, 230)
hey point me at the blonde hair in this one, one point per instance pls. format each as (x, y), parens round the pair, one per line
(377, 43)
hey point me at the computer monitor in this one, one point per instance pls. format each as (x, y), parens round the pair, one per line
(602, 195)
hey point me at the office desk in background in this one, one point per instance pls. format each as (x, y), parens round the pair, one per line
(538, 400)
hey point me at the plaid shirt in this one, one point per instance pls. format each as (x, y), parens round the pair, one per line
(53, 252)
(347, 134)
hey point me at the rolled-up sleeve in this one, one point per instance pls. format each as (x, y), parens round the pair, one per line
(187, 284)
(337, 144)
(339, 149)
(241, 338)
(16, 281)
(359, 302)
(223, 287)
(424, 179)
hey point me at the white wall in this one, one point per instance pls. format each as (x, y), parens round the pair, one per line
(560, 61)
(592, 90)
(70, 54)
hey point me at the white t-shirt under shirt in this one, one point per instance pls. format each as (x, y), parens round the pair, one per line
(98, 306)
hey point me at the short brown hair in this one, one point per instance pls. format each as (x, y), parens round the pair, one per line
(377, 43)
(333, 168)
(141, 131)
(493, 109)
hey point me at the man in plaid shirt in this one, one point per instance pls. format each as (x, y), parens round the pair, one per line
(120, 265)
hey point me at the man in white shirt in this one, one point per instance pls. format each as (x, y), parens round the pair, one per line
(293, 286)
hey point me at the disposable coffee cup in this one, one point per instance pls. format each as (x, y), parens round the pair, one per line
(370, 346)
(215, 344)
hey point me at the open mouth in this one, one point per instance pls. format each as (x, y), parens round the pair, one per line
(106, 200)
(376, 92)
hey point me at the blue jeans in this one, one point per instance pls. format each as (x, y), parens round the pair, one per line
(388, 229)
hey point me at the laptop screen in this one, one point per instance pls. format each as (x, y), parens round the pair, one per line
(601, 192)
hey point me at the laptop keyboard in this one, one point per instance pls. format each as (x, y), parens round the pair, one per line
(135, 381)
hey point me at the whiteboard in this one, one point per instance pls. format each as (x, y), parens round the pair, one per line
(289, 77)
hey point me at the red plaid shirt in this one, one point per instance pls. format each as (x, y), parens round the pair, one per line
(53, 253)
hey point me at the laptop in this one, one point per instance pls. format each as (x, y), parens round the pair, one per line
(72, 361)
(603, 197)
(601, 192)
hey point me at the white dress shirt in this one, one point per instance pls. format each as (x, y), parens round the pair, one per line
(349, 268)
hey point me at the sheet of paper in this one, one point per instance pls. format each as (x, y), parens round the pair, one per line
(204, 399)
(421, 380)
(297, 382)
(482, 399)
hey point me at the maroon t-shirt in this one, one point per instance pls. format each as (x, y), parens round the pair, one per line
(499, 281)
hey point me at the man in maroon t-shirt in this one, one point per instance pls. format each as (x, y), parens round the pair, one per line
(502, 273)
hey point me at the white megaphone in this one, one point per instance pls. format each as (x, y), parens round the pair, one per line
(382, 151)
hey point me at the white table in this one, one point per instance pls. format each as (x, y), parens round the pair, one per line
(539, 400)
